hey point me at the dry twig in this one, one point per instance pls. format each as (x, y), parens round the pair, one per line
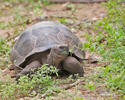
(66, 87)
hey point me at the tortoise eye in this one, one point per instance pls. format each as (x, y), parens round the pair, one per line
(64, 47)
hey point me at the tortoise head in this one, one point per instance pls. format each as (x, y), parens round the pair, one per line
(60, 50)
(57, 54)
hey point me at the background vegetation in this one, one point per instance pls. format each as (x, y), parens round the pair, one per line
(109, 42)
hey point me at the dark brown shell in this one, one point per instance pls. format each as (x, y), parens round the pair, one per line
(41, 37)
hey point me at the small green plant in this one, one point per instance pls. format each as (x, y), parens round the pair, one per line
(40, 81)
(4, 52)
(4, 48)
(78, 98)
(91, 86)
(71, 52)
(109, 42)
(62, 20)
(45, 2)
(71, 6)
(37, 11)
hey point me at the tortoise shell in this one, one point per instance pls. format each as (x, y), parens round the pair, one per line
(41, 37)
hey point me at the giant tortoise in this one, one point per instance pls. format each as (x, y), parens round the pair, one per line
(49, 43)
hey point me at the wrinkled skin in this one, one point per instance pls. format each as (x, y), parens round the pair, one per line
(57, 55)
(73, 66)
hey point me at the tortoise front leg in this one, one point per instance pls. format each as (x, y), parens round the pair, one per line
(29, 68)
(73, 66)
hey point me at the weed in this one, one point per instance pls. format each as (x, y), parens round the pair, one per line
(62, 20)
(109, 42)
(4, 48)
(78, 98)
(37, 11)
(41, 82)
(45, 2)
(4, 52)
(90, 86)
(71, 6)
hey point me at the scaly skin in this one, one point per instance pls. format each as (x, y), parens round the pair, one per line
(73, 66)
(57, 54)
(28, 69)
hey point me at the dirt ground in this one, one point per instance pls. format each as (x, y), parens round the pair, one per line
(85, 14)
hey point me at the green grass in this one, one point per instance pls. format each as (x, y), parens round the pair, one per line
(40, 82)
(109, 41)
(4, 52)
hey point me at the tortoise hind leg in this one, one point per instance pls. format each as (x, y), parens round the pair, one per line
(73, 66)
(29, 68)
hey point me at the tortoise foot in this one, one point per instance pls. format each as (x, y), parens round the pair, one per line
(28, 69)
(73, 66)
